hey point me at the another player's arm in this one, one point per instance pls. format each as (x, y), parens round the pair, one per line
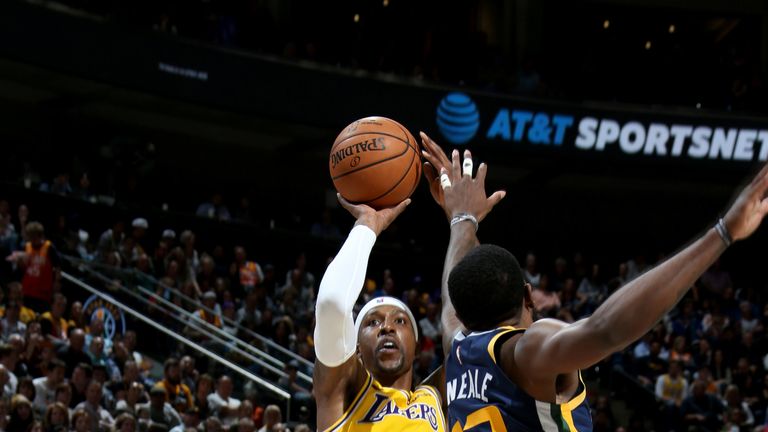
(339, 375)
(467, 196)
(551, 347)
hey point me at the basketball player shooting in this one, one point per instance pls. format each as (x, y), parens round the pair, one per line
(506, 372)
(363, 378)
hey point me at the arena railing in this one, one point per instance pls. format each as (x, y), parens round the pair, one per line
(188, 319)
(197, 304)
(264, 384)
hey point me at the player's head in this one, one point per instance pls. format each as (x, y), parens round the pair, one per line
(487, 288)
(386, 337)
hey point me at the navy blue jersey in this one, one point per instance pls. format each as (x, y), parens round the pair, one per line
(481, 398)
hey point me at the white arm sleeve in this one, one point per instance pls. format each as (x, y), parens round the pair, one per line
(335, 338)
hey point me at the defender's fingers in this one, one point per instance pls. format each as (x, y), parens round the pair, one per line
(467, 166)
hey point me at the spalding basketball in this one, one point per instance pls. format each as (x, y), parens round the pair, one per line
(375, 161)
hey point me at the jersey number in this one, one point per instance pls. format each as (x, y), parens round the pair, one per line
(489, 414)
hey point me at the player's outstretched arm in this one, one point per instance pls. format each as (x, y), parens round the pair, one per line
(553, 347)
(467, 196)
(338, 373)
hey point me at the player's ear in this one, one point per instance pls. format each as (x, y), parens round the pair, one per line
(528, 297)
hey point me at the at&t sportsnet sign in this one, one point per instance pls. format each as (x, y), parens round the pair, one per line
(639, 134)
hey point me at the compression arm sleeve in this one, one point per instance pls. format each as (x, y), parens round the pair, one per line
(335, 338)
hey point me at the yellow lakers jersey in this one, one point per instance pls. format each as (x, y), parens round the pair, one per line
(378, 409)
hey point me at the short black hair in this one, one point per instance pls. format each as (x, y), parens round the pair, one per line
(486, 287)
(171, 362)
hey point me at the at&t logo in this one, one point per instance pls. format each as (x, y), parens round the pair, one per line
(458, 118)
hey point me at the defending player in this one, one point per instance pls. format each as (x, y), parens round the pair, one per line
(363, 378)
(507, 372)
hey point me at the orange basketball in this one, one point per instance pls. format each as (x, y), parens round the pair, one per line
(375, 161)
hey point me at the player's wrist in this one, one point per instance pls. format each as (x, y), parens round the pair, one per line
(464, 219)
(723, 232)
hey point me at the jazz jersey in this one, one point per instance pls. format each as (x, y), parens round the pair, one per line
(481, 398)
(378, 409)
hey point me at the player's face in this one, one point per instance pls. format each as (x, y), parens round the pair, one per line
(387, 342)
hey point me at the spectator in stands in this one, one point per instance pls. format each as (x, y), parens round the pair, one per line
(189, 373)
(531, 273)
(109, 242)
(129, 341)
(672, 387)
(45, 387)
(748, 322)
(40, 263)
(221, 402)
(130, 374)
(593, 289)
(64, 396)
(15, 294)
(5, 387)
(245, 274)
(213, 424)
(177, 393)
(732, 400)
(126, 422)
(72, 353)
(96, 351)
(96, 329)
(248, 315)
(547, 302)
(81, 376)
(27, 388)
(161, 411)
(21, 414)
(190, 420)
(687, 324)
(288, 382)
(8, 359)
(214, 209)
(134, 395)
(56, 418)
(203, 388)
(81, 421)
(11, 323)
(246, 425)
(701, 410)
(430, 326)
(53, 323)
(76, 316)
(101, 419)
(273, 418)
(187, 240)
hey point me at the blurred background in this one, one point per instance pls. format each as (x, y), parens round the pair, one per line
(176, 148)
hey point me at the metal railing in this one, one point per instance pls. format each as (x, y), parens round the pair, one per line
(187, 342)
(266, 341)
(191, 320)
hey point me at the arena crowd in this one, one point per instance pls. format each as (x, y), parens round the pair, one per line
(704, 365)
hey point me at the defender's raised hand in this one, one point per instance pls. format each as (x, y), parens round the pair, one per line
(464, 195)
(435, 160)
(750, 207)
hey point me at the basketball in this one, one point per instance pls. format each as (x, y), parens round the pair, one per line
(375, 161)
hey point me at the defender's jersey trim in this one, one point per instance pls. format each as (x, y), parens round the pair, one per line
(544, 412)
(492, 343)
(353, 406)
(568, 407)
